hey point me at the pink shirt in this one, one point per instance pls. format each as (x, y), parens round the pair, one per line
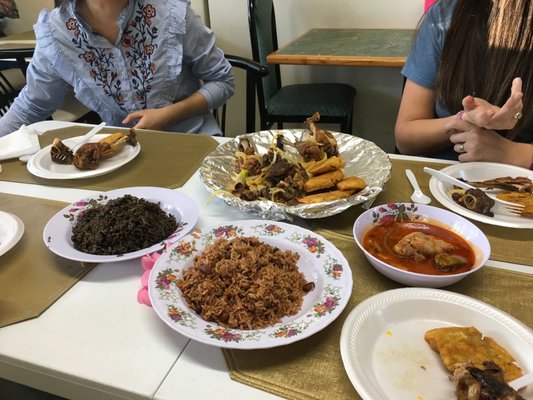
(428, 3)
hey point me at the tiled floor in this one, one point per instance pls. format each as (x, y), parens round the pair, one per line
(13, 391)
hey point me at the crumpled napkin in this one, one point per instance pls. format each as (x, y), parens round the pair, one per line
(19, 143)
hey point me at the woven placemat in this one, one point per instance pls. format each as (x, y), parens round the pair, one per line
(313, 369)
(166, 160)
(32, 277)
(507, 244)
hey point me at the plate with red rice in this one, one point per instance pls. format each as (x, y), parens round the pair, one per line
(250, 284)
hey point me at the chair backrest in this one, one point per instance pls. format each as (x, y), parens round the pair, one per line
(254, 72)
(7, 94)
(264, 40)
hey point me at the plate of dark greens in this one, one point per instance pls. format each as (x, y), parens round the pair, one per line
(120, 224)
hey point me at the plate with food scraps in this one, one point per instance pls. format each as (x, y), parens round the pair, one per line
(358, 158)
(120, 224)
(266, 303)
(386, 356)
(41, 164)
(11, 230)
(478, 172)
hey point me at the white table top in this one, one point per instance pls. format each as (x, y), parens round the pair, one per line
(97, 342)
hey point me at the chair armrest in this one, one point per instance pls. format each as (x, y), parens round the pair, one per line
(247, 64)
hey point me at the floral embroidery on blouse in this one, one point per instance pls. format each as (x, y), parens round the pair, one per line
(100, 61)
(138, 41)
(138, 45)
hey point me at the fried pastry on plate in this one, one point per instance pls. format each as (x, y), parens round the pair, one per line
(326, 196)
(324, 181)
(525, 199)
(458, 345)
(323, 166)
(351, 183)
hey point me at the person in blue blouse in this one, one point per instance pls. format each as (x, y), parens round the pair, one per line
(468, 94)
(146, 64)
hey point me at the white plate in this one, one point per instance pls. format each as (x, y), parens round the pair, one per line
(386, 357)
(11, 230)
(480, 171)
(58, 231)
(320, 261)
(41, 163)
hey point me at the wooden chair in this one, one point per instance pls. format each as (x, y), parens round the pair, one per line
(292, 103)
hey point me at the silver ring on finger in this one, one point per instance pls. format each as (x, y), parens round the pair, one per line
(462, 148)
(518, 116)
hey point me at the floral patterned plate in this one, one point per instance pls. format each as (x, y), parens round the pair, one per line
(320, 261)
(58, 231)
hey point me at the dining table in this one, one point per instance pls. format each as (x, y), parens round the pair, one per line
(347, 47)
(96, 341)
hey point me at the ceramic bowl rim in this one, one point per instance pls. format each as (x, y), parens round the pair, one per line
(480, 261)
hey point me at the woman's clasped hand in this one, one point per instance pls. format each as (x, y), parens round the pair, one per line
(472, 132)
(468, 92)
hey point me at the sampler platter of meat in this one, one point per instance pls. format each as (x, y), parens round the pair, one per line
(301, 193)
(42, 165)
(498, 180)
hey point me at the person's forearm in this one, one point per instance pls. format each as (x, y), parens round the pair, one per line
(193, 105)
(519, 154)
(423, 135)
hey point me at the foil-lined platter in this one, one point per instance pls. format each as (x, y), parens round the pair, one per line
(362, 158)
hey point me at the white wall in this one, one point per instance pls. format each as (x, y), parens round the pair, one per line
(28, 12)
(379, 89)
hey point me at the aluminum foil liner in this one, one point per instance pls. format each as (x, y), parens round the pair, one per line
(362, 158)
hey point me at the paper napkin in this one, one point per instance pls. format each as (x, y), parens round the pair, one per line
(19, 143)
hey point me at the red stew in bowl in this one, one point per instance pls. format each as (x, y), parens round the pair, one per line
(381, 241)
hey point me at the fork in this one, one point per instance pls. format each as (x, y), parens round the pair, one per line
(500, 206)
(84, 139)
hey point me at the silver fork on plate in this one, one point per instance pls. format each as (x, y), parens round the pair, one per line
(500, 206)
(84, 139)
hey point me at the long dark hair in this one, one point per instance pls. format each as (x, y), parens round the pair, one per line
(489, 42)
(62, 3)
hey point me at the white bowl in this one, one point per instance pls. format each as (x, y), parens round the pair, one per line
(467, 230)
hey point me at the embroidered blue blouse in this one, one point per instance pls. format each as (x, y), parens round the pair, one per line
(164, 55)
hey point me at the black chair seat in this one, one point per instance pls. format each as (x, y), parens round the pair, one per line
(333, 100)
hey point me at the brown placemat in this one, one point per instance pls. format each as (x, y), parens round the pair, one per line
(313, 369)
(32, 277)
(507, 244)
(166, 160)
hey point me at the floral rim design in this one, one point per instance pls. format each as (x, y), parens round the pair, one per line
(57, 232)
(395, 212)
(335, 285)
